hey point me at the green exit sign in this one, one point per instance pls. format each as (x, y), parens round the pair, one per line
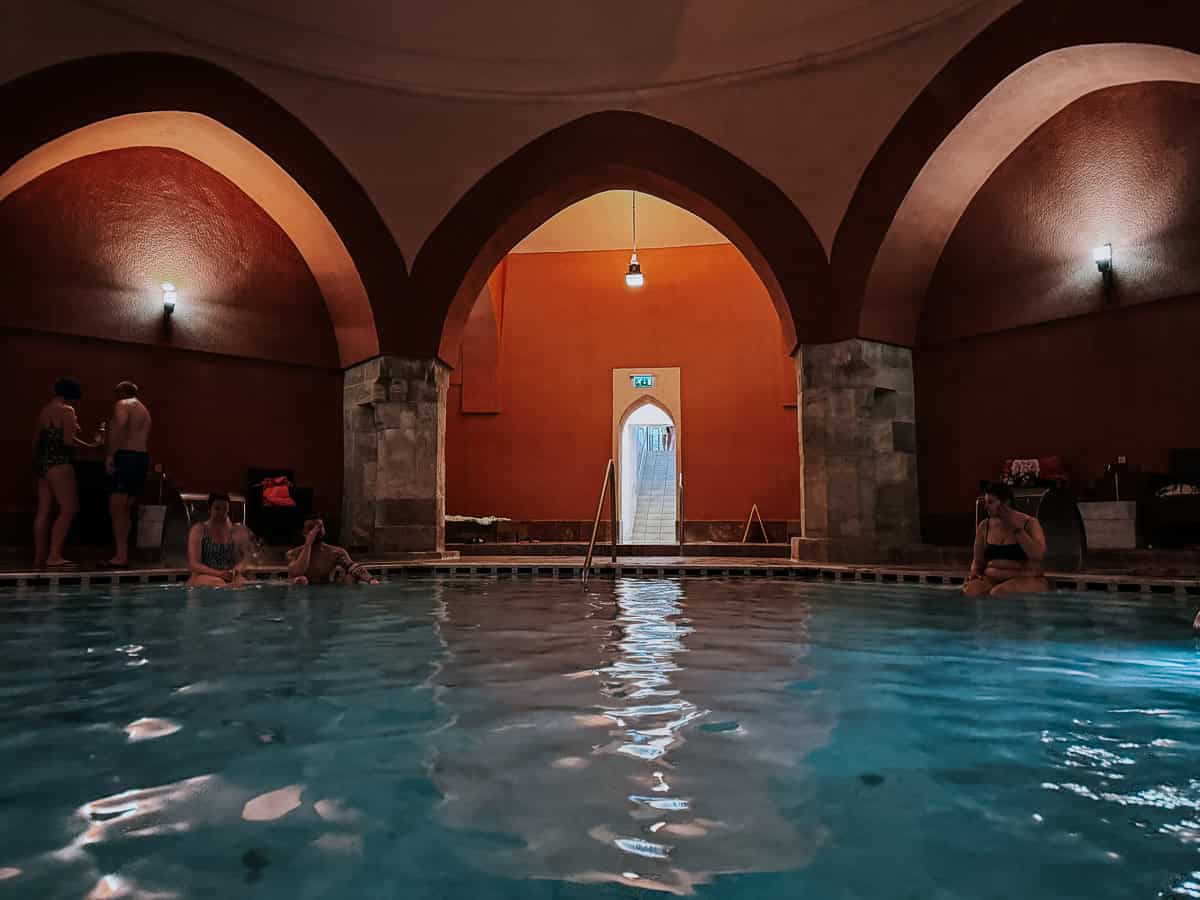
(642, 381)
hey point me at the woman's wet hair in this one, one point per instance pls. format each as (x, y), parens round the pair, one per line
(1001, 492)
(217, 495)
(68, 389)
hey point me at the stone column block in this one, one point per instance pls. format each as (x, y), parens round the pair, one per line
(857, 425)
(395, 478)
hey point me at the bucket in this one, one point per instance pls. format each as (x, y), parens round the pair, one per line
(150, 525)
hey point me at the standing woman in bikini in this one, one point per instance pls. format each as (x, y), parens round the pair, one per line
(53, 455)
(1009, 549)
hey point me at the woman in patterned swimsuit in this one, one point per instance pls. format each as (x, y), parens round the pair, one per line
(53, 455)
(216, 548)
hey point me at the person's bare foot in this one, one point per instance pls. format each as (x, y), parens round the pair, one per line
(60, 563)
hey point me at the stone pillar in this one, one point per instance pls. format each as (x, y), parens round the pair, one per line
(394, 485)
(858, 456)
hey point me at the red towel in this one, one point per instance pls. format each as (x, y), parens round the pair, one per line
(277, 492)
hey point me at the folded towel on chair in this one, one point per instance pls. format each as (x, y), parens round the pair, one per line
(277, 492)
(1024, 472)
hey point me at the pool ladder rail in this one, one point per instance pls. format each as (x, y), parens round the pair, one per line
(607, 485)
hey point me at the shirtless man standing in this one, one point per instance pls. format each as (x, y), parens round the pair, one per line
(127, 463)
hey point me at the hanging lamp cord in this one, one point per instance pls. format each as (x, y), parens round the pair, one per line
(635, 222)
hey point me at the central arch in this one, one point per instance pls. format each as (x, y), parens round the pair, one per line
(605, 151)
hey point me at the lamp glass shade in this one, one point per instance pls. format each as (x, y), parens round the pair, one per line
(634, 277)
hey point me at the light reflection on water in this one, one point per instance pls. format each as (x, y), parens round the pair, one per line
(509, 738)
(648, 635)
(648, 796)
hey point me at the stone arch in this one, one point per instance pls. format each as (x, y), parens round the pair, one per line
(648, 400)
(610, 150)
(1024, 68)
(101, 103)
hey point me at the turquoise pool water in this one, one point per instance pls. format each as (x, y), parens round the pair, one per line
(520, 738)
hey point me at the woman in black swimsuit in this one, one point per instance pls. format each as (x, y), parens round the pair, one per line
(53, 455)
(1009, 548)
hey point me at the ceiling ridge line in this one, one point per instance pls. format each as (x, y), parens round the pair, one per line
(616, 95)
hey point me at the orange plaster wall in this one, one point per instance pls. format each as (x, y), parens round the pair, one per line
(568, 321)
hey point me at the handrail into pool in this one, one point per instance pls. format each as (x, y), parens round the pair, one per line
(609, 485)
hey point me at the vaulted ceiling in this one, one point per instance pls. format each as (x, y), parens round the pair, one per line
(604, 221)
(836, 143)
(480, 48)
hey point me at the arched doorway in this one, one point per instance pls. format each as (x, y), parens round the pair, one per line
(648, 473)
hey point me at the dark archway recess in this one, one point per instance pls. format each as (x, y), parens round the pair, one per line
(59, 99)
(1021, 35)
(611, 150)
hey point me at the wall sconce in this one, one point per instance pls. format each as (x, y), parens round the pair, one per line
(1103, 257)
(169, 295)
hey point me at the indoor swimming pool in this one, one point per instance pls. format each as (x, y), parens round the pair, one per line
(517, 737)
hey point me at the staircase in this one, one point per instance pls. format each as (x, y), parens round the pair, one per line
(654, 516)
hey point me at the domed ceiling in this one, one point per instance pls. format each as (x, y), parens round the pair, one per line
(542, 48)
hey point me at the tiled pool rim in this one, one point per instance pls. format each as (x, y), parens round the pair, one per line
(634, 567)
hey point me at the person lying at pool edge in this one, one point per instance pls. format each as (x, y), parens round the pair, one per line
(316, 562)
(1009, 549)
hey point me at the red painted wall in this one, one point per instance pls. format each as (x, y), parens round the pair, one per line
(1089, 389)
(214, 416)
(568, 321)
(1022, 354)
(245, 373)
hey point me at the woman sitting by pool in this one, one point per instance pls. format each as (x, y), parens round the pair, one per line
(1009, 548)
(217, 548)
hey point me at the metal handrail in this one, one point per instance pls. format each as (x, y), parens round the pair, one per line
(682, 520)
(608, 484)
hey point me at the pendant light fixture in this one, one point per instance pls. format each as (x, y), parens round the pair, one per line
(634, 277)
